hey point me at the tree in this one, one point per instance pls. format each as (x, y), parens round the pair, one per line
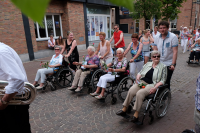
(171, 8)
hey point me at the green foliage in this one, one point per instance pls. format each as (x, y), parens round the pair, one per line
(124, 3)
(35, 9)
(171, 8)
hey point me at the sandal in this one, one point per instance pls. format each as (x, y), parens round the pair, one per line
(94, 94)
(99, 97)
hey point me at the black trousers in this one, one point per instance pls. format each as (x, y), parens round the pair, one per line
(169, 76)
(196, 54)
(15, 119)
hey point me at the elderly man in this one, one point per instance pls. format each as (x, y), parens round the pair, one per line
(167, 45)
(91, 61)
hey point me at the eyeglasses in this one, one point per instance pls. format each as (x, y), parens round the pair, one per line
(56, 49)
(156, 56)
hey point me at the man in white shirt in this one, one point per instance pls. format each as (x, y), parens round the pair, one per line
(155, 33)
(167, 45)
(13, 118)
(197, 34)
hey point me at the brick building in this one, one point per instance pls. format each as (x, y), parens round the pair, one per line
(189, 16)
(85, 18)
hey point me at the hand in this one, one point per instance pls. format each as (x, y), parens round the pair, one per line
(86, 66)
(131, 60)
(115, 44)
(152, 90)
(138, 79)
(110, 70)
(2, 106)
(101, 57)
(51, 66)
(171, 68)
(67, 56)
(75, 63)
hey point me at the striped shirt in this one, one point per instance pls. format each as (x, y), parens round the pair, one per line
(197, 95)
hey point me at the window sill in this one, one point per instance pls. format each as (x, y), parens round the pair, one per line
(45, 39)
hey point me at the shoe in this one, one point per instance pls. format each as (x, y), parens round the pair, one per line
(94, 94)
(39, 87)
(121, 113)
(99, 97)
(78, 89)
(134, 119)
(72, 88)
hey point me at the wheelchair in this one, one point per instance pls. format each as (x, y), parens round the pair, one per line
(158, 102)
(192, 63)
(121, 84)
(62, 77)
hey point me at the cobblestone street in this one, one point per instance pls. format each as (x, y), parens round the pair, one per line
(64, 111)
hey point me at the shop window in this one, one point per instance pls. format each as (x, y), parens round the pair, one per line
(51, 26)
(94, 9)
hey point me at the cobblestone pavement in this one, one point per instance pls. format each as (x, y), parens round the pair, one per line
(63, 111)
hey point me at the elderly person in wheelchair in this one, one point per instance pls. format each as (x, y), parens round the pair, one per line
(119, 65)
(91, 61)
(55, 61)
(152, 75)
(195, 52)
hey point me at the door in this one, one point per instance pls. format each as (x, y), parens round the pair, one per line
(124, 28)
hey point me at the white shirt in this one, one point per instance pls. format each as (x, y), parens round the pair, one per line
(49, 41)
(57, 60)
(155, 35)
(197, 35)
(12, 70)
(165, 47)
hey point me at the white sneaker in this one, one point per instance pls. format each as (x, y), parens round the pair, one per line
(78, 89)
(39, 87)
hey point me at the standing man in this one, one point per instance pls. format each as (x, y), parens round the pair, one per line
(167, 45)
(197, 106)
(118, 38)
(13, 118)
(155, 33)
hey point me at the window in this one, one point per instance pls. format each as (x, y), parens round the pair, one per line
(52, 25)
(173, 23)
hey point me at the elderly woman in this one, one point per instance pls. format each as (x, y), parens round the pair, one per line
(184, 39)
(91, 61)
(119, 65)
(55, 61)
(195, 52)
(105, 49)
(152, 75)
(137, 60)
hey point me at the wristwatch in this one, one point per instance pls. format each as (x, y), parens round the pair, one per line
(4, 102)
(173, 65)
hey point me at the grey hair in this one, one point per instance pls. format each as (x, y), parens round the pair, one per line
(56, 46)
(121, 49)
(155, 52)
(92, 48)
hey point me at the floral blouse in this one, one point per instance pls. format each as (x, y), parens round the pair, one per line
(91, 60)
(119, 64)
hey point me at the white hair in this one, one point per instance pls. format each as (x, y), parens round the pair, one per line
(56, 46)
(185, 28)
(91, 48)
(154, 53)
(121, 49)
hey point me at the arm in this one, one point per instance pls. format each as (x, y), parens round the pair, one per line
(63, 49)
(97, 51)
(129, 46)
(121, 37)
(111, 38)
(193, 45)
(74, 44)
(49, 42)
(138, 53)
(175, 52)
(151, 39)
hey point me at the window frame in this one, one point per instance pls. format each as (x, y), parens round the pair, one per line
(46, 30)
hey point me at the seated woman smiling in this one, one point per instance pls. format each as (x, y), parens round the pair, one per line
(152, 75)
(119, 65)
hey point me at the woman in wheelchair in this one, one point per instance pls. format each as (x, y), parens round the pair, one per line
(90, 62)
(152, 75)
(55, 61)
(195, 52)
(119, 65)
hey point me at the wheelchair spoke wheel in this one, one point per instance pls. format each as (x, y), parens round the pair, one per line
(113, 100)
(95, 78)
(163, 103)
(64, 77)
(123, 87)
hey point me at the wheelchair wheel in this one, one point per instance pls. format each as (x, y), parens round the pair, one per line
(64, 77)
(95, 78)
(123, 87)
(162, 103)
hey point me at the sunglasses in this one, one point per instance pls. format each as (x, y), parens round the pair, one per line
(56, 49)
(115, 28)
(156, 56)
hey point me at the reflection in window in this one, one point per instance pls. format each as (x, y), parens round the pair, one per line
(42, 30)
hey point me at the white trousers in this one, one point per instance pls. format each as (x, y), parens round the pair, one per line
(133, 67)
(41, 74)
(104, 79)
(184, 44)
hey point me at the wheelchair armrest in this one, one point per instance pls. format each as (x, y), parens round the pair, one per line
(160, 88)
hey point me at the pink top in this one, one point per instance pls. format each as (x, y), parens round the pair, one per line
(103, 50)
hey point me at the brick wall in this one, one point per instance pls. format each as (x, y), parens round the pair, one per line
(11, 27)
